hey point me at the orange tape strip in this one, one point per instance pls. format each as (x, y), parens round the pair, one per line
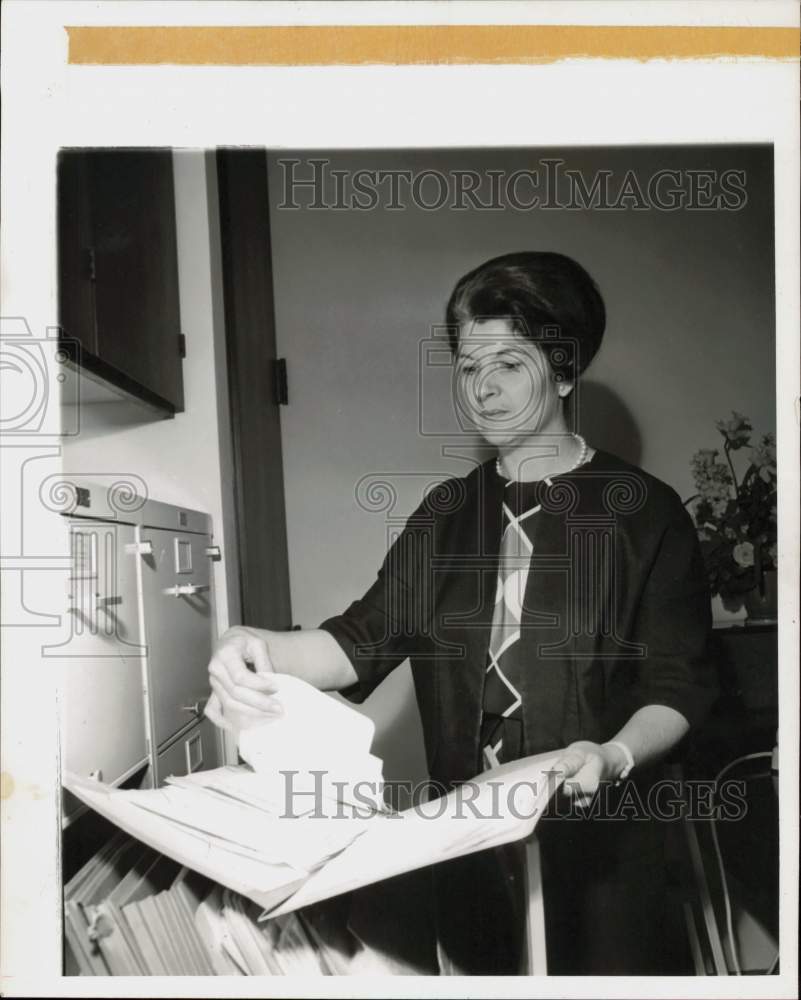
(407, 45)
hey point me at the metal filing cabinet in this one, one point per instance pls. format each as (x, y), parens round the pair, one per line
(103, 658)
(175, 583)
(142, 632)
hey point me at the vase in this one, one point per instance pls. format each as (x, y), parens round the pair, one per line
(761, 605)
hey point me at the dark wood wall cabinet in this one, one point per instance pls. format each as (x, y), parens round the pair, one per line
(119, 310)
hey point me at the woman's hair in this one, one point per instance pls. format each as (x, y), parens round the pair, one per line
(543, 295)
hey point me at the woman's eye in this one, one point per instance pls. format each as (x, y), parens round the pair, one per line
(468, 370)
(510, 366)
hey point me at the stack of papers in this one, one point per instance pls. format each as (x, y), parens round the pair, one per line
(223, 809)
(243, 828)
(263, 828)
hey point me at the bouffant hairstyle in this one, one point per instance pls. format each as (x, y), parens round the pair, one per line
(547, 297)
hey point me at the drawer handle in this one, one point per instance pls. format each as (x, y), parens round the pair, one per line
(98, 604)
(139, 548)
(197, 708)
(186, 589)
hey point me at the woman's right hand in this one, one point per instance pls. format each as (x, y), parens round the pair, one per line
(241, 696)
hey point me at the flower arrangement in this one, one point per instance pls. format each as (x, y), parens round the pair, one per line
(736, 518)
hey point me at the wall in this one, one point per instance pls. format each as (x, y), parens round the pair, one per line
(184, 460)
(690, 337)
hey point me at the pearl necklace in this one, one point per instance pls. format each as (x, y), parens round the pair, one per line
(579, 461)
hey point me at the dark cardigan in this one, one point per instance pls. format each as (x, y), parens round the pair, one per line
(616, 612)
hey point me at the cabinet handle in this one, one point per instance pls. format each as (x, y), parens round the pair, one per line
(186, 589)
(213, 552)
(197, 708)
(98, 603)
(90, 263)
(139, 548)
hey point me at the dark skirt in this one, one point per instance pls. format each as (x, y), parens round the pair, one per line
(605, 888)
(605, 898)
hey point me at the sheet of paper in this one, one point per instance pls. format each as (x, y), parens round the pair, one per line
(323, 742)
(225, 956)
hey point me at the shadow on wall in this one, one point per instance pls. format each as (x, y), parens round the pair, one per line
(398, 733)
(606, 421)
(603, 419)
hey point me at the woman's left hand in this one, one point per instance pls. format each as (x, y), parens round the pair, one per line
(585, 765)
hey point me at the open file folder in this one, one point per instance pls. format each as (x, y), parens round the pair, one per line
(303, 820)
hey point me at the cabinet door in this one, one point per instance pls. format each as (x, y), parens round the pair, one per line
(103, 708)
(76, 291)
(118, 269)
(176, 600)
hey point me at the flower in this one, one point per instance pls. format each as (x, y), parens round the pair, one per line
(734, 509)
(705, 457)
(737, 431)
(712, 478)
(718, 506)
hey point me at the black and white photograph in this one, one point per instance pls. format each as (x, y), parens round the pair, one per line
(502, 453)
(415, 589)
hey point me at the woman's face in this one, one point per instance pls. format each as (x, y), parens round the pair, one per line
(504, 384)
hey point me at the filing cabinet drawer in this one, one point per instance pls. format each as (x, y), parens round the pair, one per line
(196, 750)
(177, 607)
(102, 658)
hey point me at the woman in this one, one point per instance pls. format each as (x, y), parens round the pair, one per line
(552, 598)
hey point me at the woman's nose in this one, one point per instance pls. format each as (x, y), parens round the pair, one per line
(486, 386)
